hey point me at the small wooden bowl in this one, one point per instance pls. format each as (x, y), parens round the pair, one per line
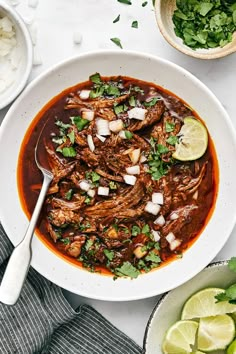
(164, 10)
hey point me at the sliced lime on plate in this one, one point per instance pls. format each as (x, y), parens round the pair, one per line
(193, 140)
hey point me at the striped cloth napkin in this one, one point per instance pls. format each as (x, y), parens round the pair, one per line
(43, 321)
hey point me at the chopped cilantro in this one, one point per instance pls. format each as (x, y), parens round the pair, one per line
(112, 90)
(172, 140)
(87, 200)
(158, 167)
(127, 2)
(109, 254)
(128, 134)
(66, 241)
(68, 152)
(127, 269)
(88, 244)
(79, 122)
(146, 229)
(117, 40)
(116, 19)
(95, 176)
(120, 108)
(162, 149)
(204, 24)
(112, 185)
(95, 78)
(69, 194)
(169, 127)
(83, 227)
(132, 101)
(138, 89)
(153, 257)
(134, 24)
(71, 136)
(62, 125)
(135, 230)
(152, 102)
(97, 92)
(59, 140)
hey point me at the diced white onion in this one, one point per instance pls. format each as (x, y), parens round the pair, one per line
(195, 196)
(137, 113)
(134, 155)
(157, 198)
(89, 115)
(170, 237)
(77, 37)
(122, 134)
(6, 24)
(160, 220)
(174, 244)
(91, 193)
(129, 179)
(84, 94)
(102, 138)
(90, 142)
(174, 216)
(152, 208)
(84, 185)
(33, 3)
(143, 159)
(156, 235)
(139, 252)
(102, 127)
(133, 170)
(103, 191)
(116, 125)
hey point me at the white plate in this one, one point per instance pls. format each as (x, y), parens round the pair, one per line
(144, 67)
(168, 309)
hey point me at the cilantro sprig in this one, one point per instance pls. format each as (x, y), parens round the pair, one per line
(230, 293)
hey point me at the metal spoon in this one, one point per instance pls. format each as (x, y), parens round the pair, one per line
(19, 262)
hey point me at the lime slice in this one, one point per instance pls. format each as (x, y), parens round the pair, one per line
(215, 332)
(193, 140)
(203, 304)
(232, 348)
(180, 337)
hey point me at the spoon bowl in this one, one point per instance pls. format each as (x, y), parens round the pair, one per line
(164, 10)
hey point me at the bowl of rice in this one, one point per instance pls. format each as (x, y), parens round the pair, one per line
(16, 54)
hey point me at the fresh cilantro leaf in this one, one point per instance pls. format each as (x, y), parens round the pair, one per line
(132, 101)
(232, 264)
(128, 134)
(112, 91)
(134, 24)
(127, 269)
(146, 229)
(97, 92)
(169, 127)
(117, 41)
(59, 140)
(119, 109)
(136, 230)
(138, 89)
(68, 152)
(87, 200)
(112, 185)
(162, 149)
(152, 102)
(109, 254)
(127, 2)
(153, 257)
(116, 19)
(79, 122)
(65, 240)
(204, 8)
(172, 140)
(95, 176)
(62, 125)
(71, 136)
(95, 78)
(69, 194)
(88, 244)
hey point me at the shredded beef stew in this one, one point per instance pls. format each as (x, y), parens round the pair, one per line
(119, 202)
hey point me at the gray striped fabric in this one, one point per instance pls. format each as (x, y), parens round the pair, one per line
(43, 321)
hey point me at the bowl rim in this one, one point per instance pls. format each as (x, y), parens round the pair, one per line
(48, 273)
(29, 53)
(185, 49)
(163, 297)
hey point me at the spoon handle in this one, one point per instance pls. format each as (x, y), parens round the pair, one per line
(19, 262)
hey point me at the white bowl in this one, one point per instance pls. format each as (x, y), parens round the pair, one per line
(168, 309)
(24, 49)
(145, 67)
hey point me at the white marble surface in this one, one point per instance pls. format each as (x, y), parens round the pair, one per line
(56, 20)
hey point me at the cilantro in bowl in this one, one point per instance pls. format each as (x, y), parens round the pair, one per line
(205, 24)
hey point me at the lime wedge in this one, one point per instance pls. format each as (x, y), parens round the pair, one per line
(232, 348)
(193, 140)
(180, 337)
(203, 304)
(215, 332)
